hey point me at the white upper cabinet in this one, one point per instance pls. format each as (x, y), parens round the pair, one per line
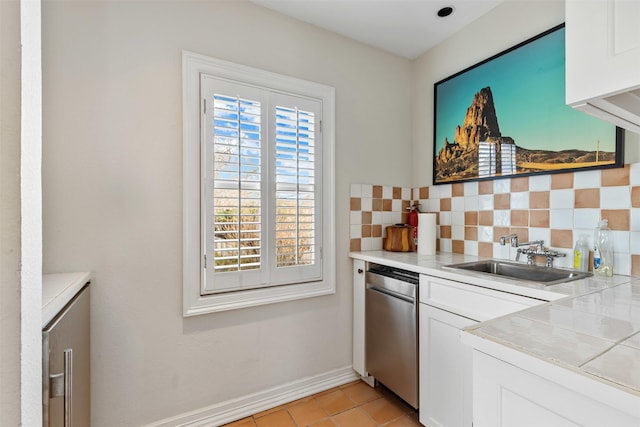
(603, 59)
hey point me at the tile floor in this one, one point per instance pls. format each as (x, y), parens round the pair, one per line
(351, 405)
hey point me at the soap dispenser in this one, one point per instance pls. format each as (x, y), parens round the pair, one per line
(581, 254)
(603, 250)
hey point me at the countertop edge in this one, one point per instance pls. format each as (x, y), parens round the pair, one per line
(570, 377)
(58, 289)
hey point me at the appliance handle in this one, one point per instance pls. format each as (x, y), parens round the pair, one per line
(391, 294)
(68, 386)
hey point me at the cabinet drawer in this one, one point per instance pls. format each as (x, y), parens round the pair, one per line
(473, 302)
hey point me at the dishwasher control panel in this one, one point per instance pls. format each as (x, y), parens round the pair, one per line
(395, 273)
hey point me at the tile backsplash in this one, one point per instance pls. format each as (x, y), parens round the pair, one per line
(373, 207)
(472, 216)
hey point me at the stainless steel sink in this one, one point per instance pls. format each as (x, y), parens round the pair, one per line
(511, 270)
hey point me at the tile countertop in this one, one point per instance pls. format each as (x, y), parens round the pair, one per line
(591, 326)
(58, 290)
(596, 335)
(433, 265)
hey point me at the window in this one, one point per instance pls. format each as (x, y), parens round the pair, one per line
(258, 187)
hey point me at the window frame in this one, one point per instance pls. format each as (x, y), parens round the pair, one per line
(195, 302)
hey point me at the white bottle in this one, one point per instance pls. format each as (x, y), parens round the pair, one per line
(603, 250)
(581, 254)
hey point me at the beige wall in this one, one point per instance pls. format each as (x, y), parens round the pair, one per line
(113, 194)
(505, 26)
(20, 215)
(10, 213)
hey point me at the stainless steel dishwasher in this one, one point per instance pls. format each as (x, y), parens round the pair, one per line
(391, 330)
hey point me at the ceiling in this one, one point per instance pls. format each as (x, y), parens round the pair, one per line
(407, 28)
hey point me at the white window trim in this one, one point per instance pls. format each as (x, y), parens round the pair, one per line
(194, 303)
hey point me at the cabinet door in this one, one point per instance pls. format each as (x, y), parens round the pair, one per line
(445, 369)
(602, 49)
(66, 366)
(358, 317)
(507, 396)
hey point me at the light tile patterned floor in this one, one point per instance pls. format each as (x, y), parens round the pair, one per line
(351, 405)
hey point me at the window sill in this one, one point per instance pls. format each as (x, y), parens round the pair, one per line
(202, 304)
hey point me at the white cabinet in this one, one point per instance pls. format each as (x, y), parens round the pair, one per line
(445, 370)
(603, 59)
(471, 301)
(446, 307)
(508, 396)
(358, 317)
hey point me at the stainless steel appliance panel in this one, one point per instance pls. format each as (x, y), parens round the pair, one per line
(391, 334)
(66, 386)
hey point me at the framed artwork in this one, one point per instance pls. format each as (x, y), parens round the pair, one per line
(506, 116)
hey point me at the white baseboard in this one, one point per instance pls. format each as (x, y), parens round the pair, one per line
(235, 409)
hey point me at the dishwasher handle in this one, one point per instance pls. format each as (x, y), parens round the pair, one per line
(392, 286)
(392, 294)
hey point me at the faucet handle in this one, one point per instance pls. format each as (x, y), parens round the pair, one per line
(550, 254)
(512, 237)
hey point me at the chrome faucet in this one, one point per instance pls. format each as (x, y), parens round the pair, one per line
(531, 253)
(512, 237)
(516, 244)
(538, 243)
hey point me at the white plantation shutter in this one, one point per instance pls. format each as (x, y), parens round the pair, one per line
(234, 192)
(297, 173)
(236, 183)
(261, 220)
(258, 184)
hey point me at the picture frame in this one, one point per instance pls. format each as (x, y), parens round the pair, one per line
(506, 117)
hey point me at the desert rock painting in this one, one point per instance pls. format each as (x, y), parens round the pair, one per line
(462, 159)
(507, 116)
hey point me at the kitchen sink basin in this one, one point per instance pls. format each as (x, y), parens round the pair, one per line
(511, 270)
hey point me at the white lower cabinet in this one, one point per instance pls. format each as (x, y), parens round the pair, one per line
(508, 396)
(445, 370)
(358, 317)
